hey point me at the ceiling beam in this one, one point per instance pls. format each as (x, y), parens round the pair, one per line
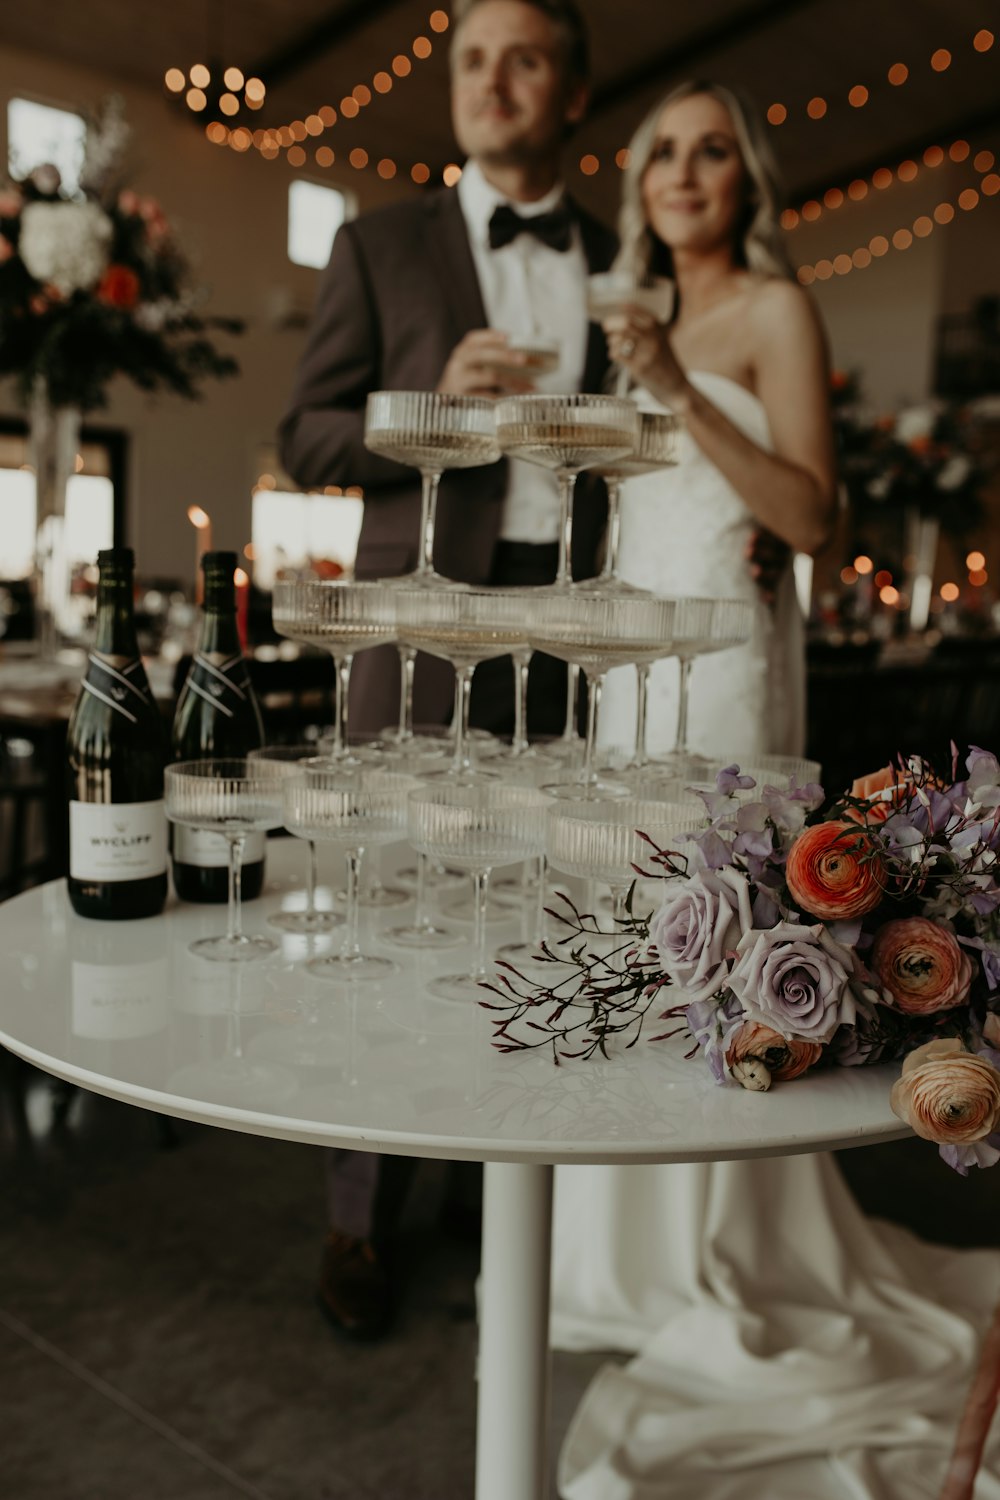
(891, 156)
(704, 43)
(332, 30)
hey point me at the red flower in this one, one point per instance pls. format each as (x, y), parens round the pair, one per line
(833, 871)
(921, 965)
(119, 287)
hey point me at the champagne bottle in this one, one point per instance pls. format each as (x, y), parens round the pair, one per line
(217, 715)
(116, 753)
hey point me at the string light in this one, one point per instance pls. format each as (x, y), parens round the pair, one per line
(200, 77)
(950, 592)
(968, 200)
(281, 137)
(882, 178)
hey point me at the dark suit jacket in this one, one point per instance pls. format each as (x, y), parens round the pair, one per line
(399, 293)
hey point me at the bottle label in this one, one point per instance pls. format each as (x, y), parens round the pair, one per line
(117, 840)
(119, 682)
(207, 850)
(222, 681)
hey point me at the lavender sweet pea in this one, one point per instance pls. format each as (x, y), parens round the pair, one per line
(794, 979)
(698, 927)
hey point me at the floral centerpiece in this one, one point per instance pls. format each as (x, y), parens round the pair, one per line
(802, 938)
(96, 285)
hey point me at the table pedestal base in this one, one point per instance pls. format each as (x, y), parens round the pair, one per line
(514, 1359)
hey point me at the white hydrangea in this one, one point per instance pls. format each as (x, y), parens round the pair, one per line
(66, 244)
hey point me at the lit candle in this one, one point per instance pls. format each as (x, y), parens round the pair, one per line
(202, 523)
(242, 581)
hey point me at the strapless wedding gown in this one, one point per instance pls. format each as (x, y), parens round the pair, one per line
(684, 531)
(788, 1348)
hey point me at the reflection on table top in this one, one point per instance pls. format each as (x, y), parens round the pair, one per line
(124, 1009)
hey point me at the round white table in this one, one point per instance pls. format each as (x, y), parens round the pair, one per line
(123, 1009)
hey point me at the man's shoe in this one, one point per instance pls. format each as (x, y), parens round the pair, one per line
(354, 1291)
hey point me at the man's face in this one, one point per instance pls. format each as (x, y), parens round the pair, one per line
(511, 99)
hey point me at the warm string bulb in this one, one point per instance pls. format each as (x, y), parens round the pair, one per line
(288, 137)
(882, 178)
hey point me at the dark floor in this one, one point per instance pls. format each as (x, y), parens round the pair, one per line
(159, 1339)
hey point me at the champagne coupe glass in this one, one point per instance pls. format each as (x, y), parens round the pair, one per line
(771, 770)
(431, 432)
(611, 292)
(344, 617)
(424, 932)
(566, 434)
(234, 797)
(599, 840)
(657, 448)
(727, 624)
(356, 808)
(598, 630)
(476, 825)
(465, 626)
(283, 759)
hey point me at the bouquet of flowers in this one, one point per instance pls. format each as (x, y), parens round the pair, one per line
(929, 459)
(96, 285)
(801, 938)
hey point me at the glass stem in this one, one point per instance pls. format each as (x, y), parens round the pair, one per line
(463, 696)
(311, 879)
(610, 568)
(595, 686)
(430, 480)
(572, 696)
(542, 865)
(407, 663)
(420, 921)
(564, 573)
(520, 741)
(343, 668)
(349, 949)
(619, 896)
(234, 926)
(480, 884)
(640, 758)
(680, 747)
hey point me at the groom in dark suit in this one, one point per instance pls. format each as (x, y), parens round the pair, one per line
(430, 295)
(422, 295)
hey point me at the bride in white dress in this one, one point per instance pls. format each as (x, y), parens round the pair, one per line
(787, 1346)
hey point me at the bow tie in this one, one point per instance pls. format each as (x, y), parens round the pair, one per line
(552, 228)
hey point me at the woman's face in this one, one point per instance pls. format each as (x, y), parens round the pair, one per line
(695, 185)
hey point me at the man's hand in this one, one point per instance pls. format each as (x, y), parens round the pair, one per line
(768, 557)
(483, 364)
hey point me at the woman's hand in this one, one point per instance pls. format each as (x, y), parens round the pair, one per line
(642, 346)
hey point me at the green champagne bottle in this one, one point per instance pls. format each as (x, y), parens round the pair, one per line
(217, 715)
(116, 754)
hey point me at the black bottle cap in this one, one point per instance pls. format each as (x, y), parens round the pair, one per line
(116, 557)
(221, 562)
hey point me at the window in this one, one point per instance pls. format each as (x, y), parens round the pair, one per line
(39, 133)
(301, 531)
(315, 213)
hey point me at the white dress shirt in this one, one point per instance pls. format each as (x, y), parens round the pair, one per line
(529, 289)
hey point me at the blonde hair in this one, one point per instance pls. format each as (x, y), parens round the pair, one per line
(759, 243)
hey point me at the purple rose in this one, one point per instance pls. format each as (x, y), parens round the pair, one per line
(699, 924)
(794, 979)
(713, 1024)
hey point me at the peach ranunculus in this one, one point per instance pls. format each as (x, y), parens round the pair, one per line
(948, 1095)
(783, 1057)
(921, 965)
(119, 287)
(834, 872)
(882, 790)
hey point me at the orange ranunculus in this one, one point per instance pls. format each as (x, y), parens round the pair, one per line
(883, 791)
(948, 1095)
(921, 965)
(833, 871)
(119, 287)
(784, 1057)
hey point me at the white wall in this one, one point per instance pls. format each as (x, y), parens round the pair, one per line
(231, 214)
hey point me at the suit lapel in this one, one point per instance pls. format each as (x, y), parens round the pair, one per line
(451, 255)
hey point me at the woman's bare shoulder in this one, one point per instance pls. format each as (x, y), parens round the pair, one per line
(781, 312)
